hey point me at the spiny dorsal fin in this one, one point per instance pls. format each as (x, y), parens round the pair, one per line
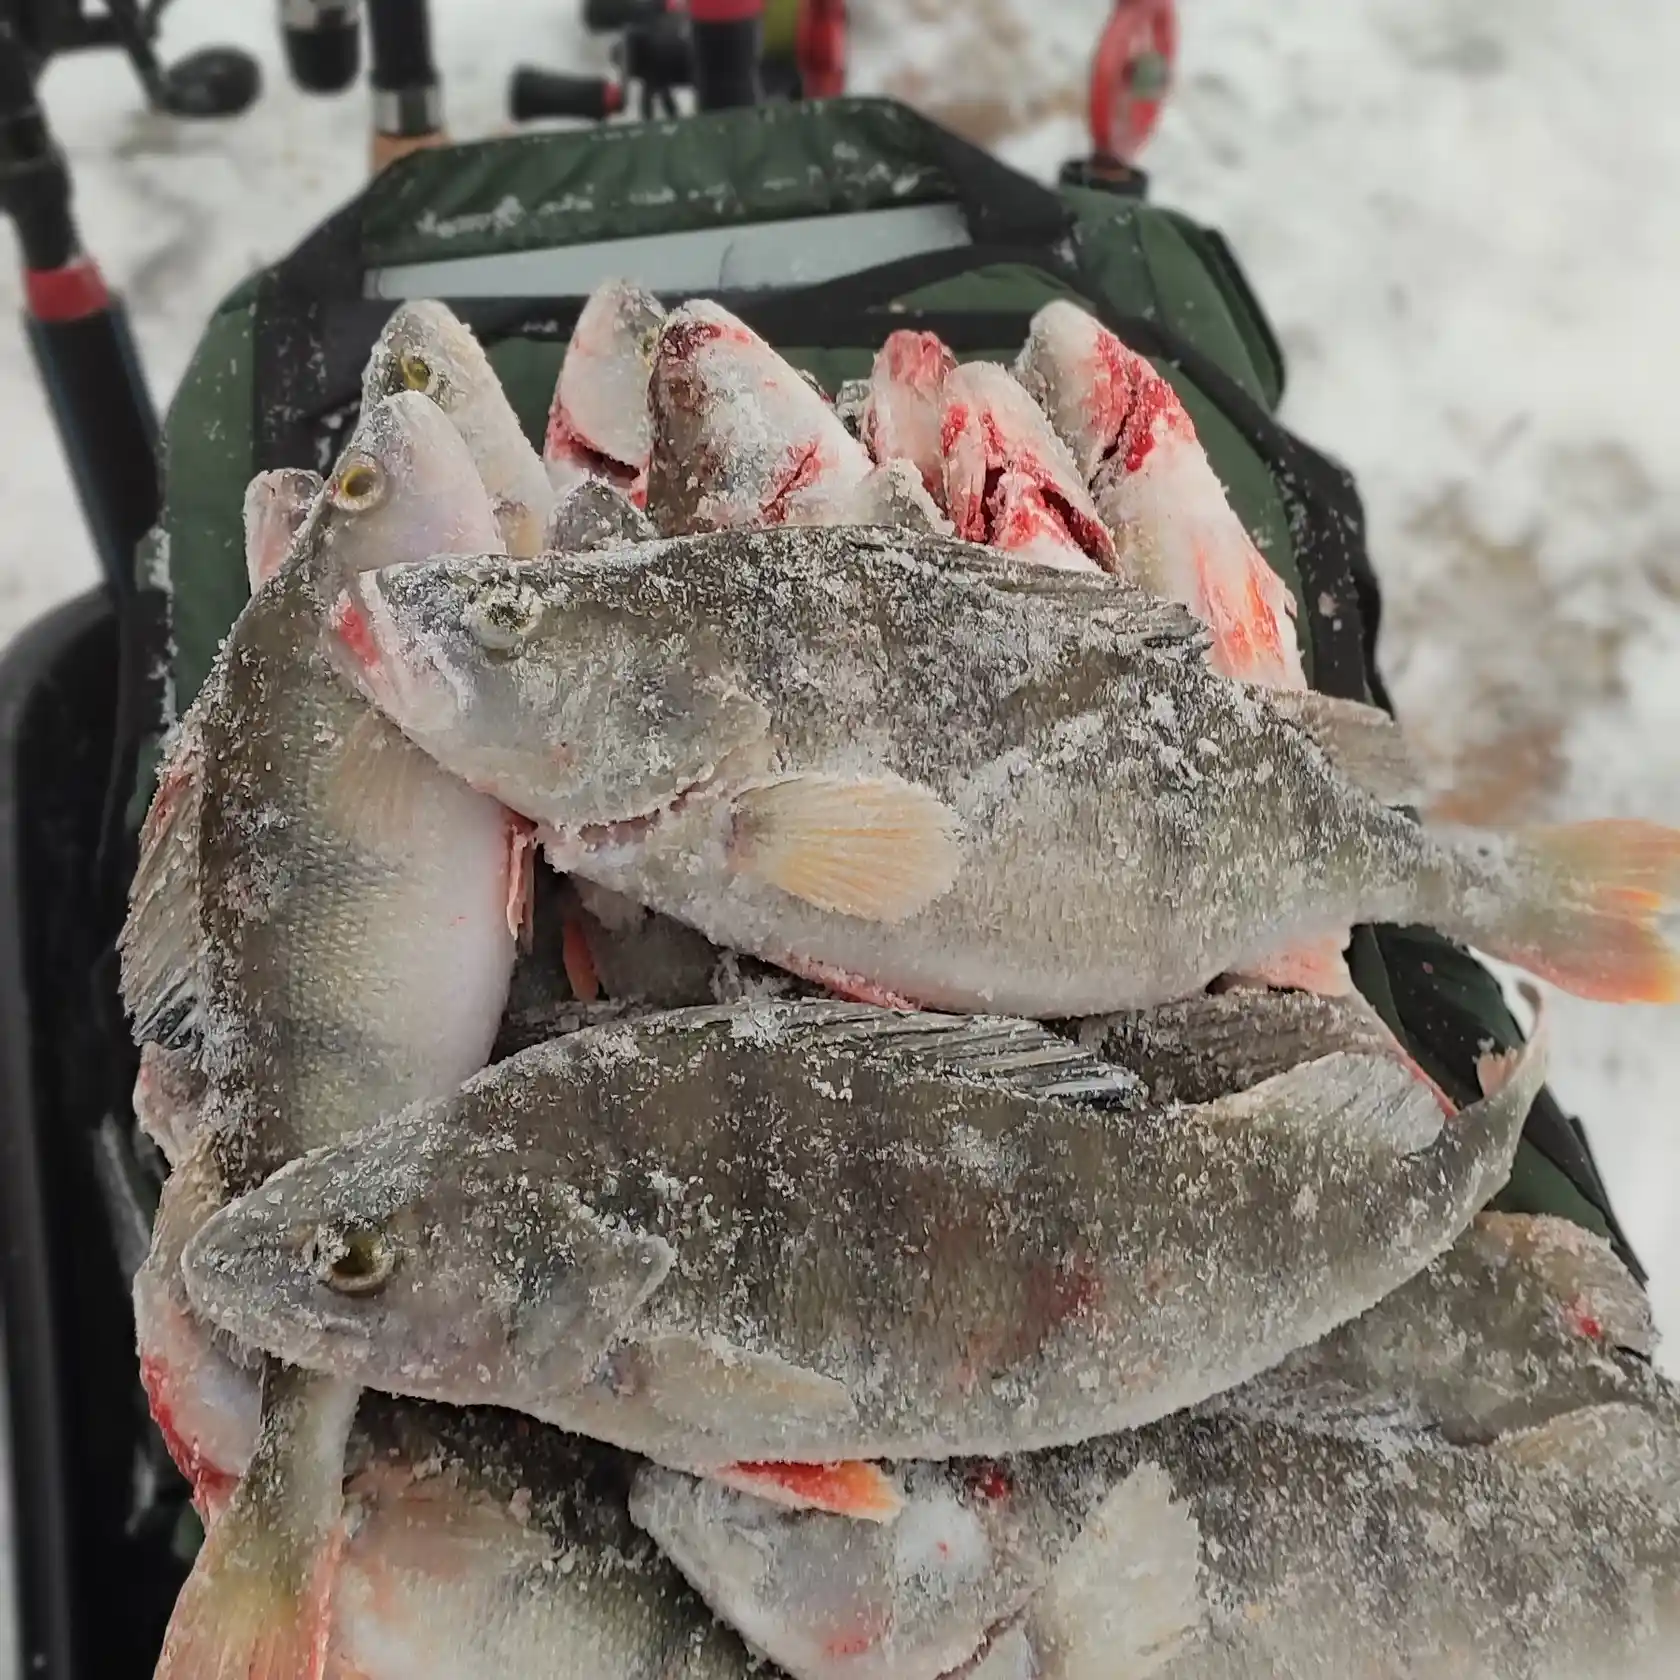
(1016, 1055)
(1135, 615)
(161, 939)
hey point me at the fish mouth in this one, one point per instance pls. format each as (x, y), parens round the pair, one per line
(595, 840)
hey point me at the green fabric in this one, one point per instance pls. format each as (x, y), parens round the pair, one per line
(207, 462)
(535, 191)
(1536, 1186)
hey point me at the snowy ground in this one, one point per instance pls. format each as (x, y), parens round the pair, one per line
(1463, 221)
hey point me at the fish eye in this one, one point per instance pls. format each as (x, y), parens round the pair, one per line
(417, 373)
(359, 485)
(353, 1261)
(503, 616)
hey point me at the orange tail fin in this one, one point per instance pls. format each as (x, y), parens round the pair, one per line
(1582, 906)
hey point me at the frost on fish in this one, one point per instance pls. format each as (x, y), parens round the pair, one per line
(594, 515)
(482, 1543)
(203, 1397)
(1216, 1043)
(1522, 1321)
(169, 1098)
(704, 1235)
(739, 437)
(600, 407)
(959, 779)
(1215, 1548)
(425, 347)
(276, 504)
(1530, 1559)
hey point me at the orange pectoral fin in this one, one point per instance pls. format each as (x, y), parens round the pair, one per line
(848, 1488)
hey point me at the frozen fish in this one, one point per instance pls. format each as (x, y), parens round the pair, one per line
(331, 917)
(772, 1240)
(917, 770)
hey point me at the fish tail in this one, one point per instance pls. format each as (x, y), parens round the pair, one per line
(256, 1605)
(1582, 905)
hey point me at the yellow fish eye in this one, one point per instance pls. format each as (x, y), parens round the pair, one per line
(358, 1261)
(416, 371)
(360, 485)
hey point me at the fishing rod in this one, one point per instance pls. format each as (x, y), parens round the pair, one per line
(730, 52)
(323, 44)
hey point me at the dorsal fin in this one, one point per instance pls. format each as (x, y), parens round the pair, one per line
(1016, 1055)
(161, 939)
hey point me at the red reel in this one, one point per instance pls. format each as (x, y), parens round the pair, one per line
(821, 48)
(1131, 75)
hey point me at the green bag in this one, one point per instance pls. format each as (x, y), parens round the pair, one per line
(825, 226)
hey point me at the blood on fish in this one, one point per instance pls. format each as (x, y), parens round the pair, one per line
(804, 468)
(685, 336)
(991, 1482)
(1156, 414)
(171, 785)
(1582, 1320)
(210, 1484)
(865, 1636)
(351, 627)
(562, 443)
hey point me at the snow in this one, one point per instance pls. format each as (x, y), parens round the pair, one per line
(1461, 219)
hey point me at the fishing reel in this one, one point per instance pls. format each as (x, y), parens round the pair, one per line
(1131, 74)
(212, 82)
(730, 52)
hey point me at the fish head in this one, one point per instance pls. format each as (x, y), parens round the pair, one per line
(603, 390)
(276, 505)
(405, 488)
(557, 686)
(424, 1258)
(740, 436)
(428, 350)
(426, 347)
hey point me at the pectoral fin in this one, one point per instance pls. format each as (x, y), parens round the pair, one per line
(879, 849)
(848, 1488)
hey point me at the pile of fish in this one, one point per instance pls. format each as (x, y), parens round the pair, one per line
(911, 1192)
